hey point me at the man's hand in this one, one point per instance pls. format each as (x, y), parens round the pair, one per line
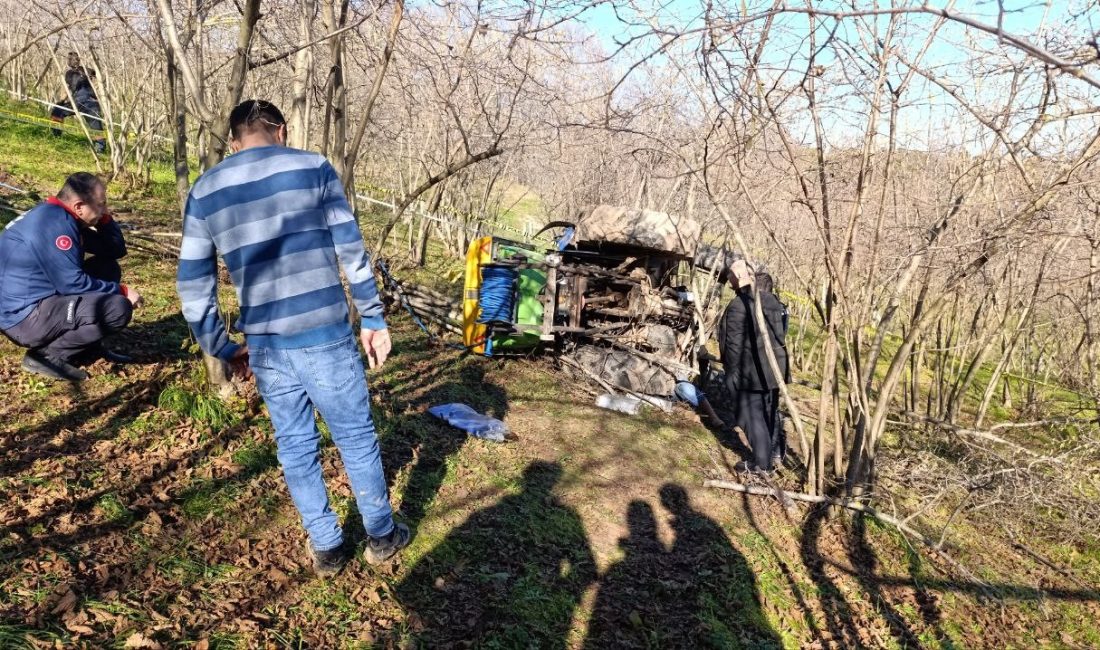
(376, 343)
(133, 296)
(238, 363)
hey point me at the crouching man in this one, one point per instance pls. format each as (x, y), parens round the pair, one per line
(53, 300)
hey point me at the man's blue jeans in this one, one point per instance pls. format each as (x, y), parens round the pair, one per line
(330, 378)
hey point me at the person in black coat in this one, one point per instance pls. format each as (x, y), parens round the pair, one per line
(79, 80)
(749, 376)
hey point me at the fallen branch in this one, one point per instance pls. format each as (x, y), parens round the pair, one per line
(151, 245)
(1065, 573)
(975, 433)
(1042, 423)
(423, 302)
(851, 504)
(151, 250)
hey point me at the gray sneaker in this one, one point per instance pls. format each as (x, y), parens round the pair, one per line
(380, 549)
(329, 563)
(41, 363)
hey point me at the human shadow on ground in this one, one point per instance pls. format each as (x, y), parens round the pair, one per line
(799, 593)
(701, 592)
(866, 562)
(166, 339)
(846, 620)
(511, 575)
(633, 596)
(838, 615)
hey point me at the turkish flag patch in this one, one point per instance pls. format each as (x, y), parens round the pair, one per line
(64, 242)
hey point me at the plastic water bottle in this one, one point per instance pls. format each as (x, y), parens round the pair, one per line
(627, 404)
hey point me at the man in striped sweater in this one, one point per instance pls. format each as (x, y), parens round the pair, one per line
(279, 220)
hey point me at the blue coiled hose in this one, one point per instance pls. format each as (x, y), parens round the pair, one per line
(497, 296)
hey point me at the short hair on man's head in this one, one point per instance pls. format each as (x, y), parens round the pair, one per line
(253, 114)
(764, 282)
(81, 185)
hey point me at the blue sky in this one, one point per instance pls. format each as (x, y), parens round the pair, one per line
(933, 114)
(1021, 16)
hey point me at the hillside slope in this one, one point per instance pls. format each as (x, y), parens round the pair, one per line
(137, 511)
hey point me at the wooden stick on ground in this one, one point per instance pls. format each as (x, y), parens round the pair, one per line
(852, 504)
(976, 433)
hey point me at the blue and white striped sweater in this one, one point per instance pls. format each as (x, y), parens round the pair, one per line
(279, 219)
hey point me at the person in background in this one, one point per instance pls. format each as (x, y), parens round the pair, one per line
(54, 300)
(689, 393)
(749, 377)
(765, 284)
(79, 80)
(280, 221)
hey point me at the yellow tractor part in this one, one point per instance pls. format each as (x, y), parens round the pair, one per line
(473, 333)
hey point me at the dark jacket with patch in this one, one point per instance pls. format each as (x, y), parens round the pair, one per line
(742, 343)
(80, 85)
(42, 255)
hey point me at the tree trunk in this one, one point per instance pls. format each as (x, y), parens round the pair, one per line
(218, 141)
(298, 120)
(179, 121)
(352, 153)
(420, 252)
(337, 108)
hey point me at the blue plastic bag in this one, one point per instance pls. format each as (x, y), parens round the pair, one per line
(689, 393)
(463, 417)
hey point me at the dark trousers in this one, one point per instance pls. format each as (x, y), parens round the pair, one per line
(65, 326)
(104, 268)
(779, 434)
(89, 107)
(757, 415)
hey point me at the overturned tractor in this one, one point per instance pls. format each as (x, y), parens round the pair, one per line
(627, 296)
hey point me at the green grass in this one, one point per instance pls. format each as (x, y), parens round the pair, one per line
(119, 609)
(145, 424)
(227, 641)
(199, 406)
(1081, 625)
(40, 162)
(35, 157)
(22, 637)
(336, 604)
(521, 205)
(256, 457)
(219, 496)
(187, 568)
(113, 509)
(205, 498)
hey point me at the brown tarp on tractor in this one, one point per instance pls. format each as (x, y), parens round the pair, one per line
(636, 227)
